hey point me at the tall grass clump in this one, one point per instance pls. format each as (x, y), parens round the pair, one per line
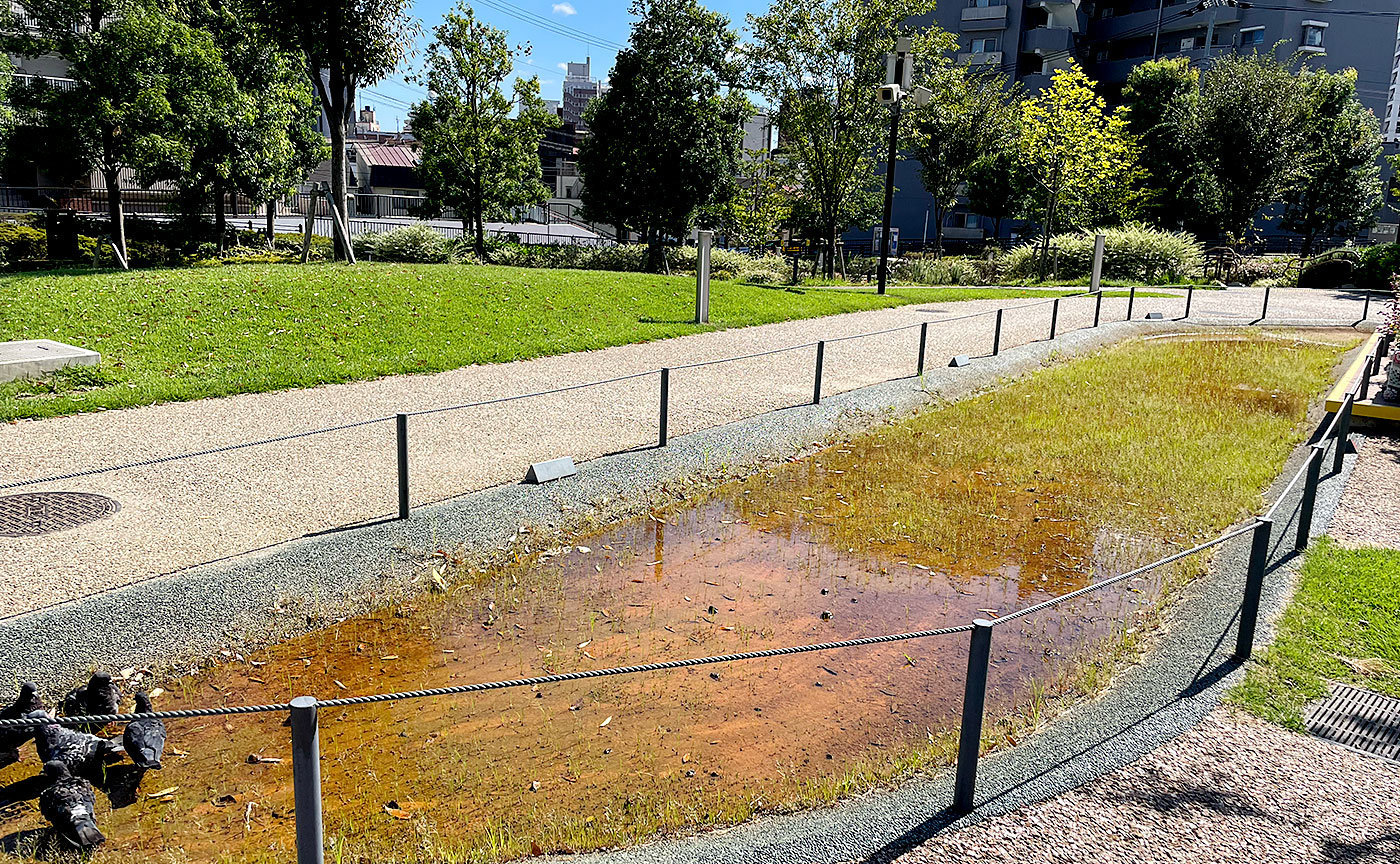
(411, 244)
(1131, 253)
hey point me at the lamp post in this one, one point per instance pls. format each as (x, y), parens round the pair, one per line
(898, 73)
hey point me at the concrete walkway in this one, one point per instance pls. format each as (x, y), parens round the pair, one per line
(184, 513)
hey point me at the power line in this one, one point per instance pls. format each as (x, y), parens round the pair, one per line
(546, 24)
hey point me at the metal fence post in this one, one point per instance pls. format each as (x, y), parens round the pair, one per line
(1132, 298)
(1366, 372)
(1366, 309)
(1253, 588)
(1343, 433)
(1190, 292)
(1054, 317)
(996, 335)
(306, 780)
(923, 344)
(979, 655)
(401, 437)
(1309, 501)
(817, 384)
(665, 406)
(1264, 313)
(1098, 306)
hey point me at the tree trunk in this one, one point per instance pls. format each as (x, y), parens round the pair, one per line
(829, 265)
(271, 222)
(1307, 246)
(656, 251)
(115, 216)
(220, 223)
(337, 118)
(939, 214)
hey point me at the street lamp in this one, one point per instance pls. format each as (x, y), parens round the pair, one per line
(898, 74)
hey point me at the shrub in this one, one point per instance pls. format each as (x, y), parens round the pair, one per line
(1329, 271)
(1378, 265)
(413, 244)
(1273, 270)
(23, 243)
(937, 271)
(1131, 253)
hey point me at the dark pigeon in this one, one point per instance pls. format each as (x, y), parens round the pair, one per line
(103, 695)
(69, 805)
(11, 739)
(81, 752)
(75, 702)
(144, 740)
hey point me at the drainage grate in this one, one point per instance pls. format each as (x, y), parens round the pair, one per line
(1358, 719)
(35, 513)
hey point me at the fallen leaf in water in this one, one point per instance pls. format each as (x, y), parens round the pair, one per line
(389, 657)
(605, 722)
(397, 813)
(535, 848)
(583, 645)
(126, 673)
(169, 790)
(685, 758)
(341, 686)
(256, 680)
(176, 751)
(654, 563)
(156, 693)
(584, 550)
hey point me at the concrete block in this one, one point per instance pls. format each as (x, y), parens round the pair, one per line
(1155, 316)
(33, 358)
(553, 469)
(959, 361)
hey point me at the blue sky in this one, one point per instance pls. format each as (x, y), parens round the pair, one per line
(558, 31)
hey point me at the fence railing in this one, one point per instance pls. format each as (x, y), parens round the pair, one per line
(304, 710)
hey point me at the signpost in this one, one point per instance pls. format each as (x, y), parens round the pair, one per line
(702, 276)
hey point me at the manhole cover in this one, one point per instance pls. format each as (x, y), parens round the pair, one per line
(1358, 719)
(35, 513)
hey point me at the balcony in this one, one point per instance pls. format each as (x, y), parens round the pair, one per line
(1046, 41)
(981, 58)
(1173, 20)
(984, 18)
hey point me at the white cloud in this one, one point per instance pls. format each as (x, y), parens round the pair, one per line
(563, 67)
(565, 9)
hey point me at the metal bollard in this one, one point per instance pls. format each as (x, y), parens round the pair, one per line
(665, 406)
(1309, 501)
(306, 780)
(1098, 306)
(817, 384)
(1132, 298)
(979, 655)
(1054, 317)
(923, 344)
(1343, 433)
(996, 335)
(1366, 309)
(401, 436)
(1264, 313)
(1253, 588)
(1190, 292)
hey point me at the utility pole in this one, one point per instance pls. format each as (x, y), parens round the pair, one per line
(898, 76)
(1157, 34)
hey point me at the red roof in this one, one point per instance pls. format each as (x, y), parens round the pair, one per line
(388, 155)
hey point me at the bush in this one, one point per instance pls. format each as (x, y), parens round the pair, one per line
(937, 271)
(1133, 253)
(1329, 271)
(1378, 265)
(1271, 270)
(22, 243)
(412, 244)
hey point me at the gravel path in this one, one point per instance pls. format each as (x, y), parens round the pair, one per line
(1370, 511)
(1233, 790)
(180, 514)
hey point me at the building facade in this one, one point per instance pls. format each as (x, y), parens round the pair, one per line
(579, 90)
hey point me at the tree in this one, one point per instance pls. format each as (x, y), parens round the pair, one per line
(1162, 98)
(480, 150)
(344, 45)
(760, 205)
(141, 82)
(1339, 189)
(1251, 116)
(665, 138)
(820, 62)
(971, 117)
(1081, 157)
(996, 187)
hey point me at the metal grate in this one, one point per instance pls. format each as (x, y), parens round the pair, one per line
(1358, 719)
(34, 513)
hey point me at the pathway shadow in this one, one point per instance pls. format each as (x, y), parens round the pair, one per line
(1171, 799)
(1383, 848)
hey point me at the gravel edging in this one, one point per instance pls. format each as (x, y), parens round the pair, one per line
(1169, 691)
(293, 587)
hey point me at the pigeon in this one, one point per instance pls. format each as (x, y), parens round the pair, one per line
(11, 739)
(69, 805)
(144, 740)
(80, 752)
(100, 695)
(74, 702)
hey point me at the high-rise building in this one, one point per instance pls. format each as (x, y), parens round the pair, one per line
(1390, 121)
(579, 90)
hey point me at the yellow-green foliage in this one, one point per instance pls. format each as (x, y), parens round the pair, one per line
(1133, 252)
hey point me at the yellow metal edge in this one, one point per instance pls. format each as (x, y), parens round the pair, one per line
(1339, 391)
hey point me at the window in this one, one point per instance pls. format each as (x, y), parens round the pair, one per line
(1191, 42)
(1106, 12)
(1252, 36)
(1101, 56)
(1312, 34)
(983, 46)
(982, 4)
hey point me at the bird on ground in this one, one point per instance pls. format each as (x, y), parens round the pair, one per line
(75, 701)
(100, 695)
(11, 739)
(70, 804)
(81, 752)
(144, 740)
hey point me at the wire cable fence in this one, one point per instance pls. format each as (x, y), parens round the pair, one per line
(303, 709)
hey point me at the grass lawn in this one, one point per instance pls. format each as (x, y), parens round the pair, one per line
(1343, 624)
(180, 334)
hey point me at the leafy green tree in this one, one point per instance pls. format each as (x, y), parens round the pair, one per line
(972, 116)
(1251, 116)
(997, 187)
(820, 62)
(1081, 156)
(1162, 97)
(480, 149)
(344, 44)
(144, 82)
(1339, 189)
(665, 138)
(760, 205)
